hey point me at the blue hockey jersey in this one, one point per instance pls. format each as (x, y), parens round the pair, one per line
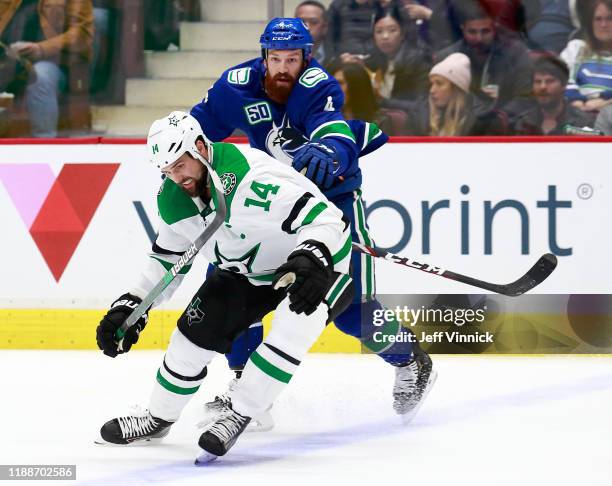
(237, 100)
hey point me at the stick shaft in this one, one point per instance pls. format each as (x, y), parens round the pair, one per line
(536, 275)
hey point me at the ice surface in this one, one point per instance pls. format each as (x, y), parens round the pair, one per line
(489, 420)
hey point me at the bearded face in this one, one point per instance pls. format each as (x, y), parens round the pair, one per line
(283, 68)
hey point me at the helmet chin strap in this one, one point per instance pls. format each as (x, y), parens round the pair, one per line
(216, 182)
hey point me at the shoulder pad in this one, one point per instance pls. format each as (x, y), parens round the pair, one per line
(174, 204)
(312, 76)
(239, 76)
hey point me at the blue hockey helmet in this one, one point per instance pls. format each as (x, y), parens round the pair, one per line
(286, 33)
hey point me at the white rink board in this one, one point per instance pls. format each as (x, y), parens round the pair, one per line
(114, 246)
(413, 173)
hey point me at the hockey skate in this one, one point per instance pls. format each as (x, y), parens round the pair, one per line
(262, 423)
(141, 426)
(412, 384)
(221, 435)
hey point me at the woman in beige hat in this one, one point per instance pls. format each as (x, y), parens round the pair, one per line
(450, 109)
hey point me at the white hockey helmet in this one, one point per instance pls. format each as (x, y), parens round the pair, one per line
(172, 136)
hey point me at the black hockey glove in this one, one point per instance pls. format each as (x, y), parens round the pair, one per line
(311, 265)
(114, 318)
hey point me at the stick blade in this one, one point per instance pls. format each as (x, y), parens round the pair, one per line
(542, 269)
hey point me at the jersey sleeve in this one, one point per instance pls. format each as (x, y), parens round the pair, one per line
(368, 136)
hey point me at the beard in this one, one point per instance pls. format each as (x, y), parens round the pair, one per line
(550, 103)
(198, 189)
(481, 49)
(278, 91)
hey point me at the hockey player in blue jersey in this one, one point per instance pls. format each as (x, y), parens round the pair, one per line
(290, 107)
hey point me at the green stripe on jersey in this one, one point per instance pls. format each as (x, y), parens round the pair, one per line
(231, 167)
(343, 252)
(334, 128)
(171, 387)
(269, 369)
(174, 204)
(168, 265)
(269, 277)
(361, 219)
(373, 132)
(313, 213)
(337, 289)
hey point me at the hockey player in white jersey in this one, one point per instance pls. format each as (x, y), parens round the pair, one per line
(279, 230)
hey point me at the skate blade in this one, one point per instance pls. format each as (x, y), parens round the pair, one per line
(255, 427)
(204, 458)
(143, 442)
(408, 417)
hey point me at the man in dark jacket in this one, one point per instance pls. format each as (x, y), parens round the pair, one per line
(500, 64)
(551, 114)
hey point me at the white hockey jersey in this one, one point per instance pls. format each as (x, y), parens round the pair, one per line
(271, 209)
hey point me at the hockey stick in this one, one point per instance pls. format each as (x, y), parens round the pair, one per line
(186, 259)
(535, 276)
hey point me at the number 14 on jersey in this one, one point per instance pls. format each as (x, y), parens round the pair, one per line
(262, 191)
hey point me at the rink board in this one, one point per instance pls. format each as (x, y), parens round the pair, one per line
(71, 245)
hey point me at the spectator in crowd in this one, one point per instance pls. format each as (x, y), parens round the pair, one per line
(551, 113)
(360, 102)
(350, 27)
(581, 11)
(590, 61)
(513, 17)
(400, 65)
(451, 110)
(501, 68)
(53, 36)
(553, 29)
(435, 21)
(313, 15)
(603, 123)
(439, 22)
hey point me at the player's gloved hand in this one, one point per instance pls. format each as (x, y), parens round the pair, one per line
(114, 318)
(318, 161)
(307, 274)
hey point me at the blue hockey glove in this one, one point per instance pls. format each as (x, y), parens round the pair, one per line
(318, 162)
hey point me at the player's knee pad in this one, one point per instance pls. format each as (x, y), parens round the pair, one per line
(184, 360)
(295, 333)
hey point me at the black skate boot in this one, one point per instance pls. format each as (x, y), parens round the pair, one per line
(138, 427)
(220, 402)
(412, 384)
(213, 409)
(221, 435)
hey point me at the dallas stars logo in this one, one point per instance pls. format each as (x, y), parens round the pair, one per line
(194, 313)
(241, 264)
(173, 120)
(229, 182)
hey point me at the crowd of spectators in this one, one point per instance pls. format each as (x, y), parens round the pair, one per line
(415, 67)
(56, 56)
(470, 67)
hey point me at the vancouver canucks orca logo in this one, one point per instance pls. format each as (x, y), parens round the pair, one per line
(282, 142)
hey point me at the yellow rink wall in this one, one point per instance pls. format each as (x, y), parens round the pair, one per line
(513, 333)
(76, 329)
